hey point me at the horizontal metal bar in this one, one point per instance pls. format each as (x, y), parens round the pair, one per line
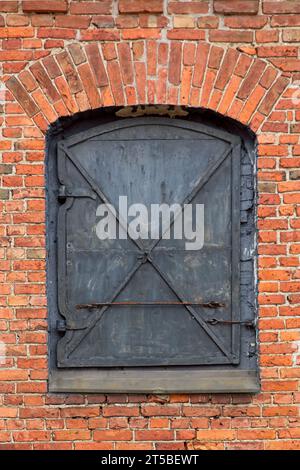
(215, 321)
(151, 304)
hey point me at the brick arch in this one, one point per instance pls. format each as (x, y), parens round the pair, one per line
(84, 77)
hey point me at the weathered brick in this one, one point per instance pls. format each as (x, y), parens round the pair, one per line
(72, 435)
(55, 6)
(226, 69)
(251, 79)
(268, 77)
(209, 22)
(77, 54)
(154, 435)
(175, 63)
(113, 435)
(230, 36)
(109, 51)
(140, 33)
(43, 79)
(114, 410)
(99, 35)
(125, 63)
(9, 6)
(194, 7)
(285, 20)
(281, 7)
(104, 21)
(183, 22)
(57, 33)
(114, 73)
(52, 67)
(89, 85)
(291, 36)
(70, 72)
(245, 22)
(186, 34)
(273, 95)
(200, 64)
(70, 21)
(97, 65)
(22, 96)
(216, 435)
(94, 8)
(140, 6)
(248, 7)
(31, 436)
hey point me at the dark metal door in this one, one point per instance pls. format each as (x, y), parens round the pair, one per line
(148, 302)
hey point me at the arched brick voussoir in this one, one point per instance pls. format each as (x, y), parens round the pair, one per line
(94, 75)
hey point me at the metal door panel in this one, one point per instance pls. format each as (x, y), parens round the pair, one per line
(153, 161)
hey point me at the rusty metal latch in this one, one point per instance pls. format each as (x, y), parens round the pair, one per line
(215, 321)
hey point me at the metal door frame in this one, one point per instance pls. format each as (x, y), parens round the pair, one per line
(152, 379)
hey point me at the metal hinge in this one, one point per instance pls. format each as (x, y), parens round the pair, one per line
(62, 326)
(64, 192)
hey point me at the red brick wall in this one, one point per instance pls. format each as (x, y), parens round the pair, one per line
(60, 57)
